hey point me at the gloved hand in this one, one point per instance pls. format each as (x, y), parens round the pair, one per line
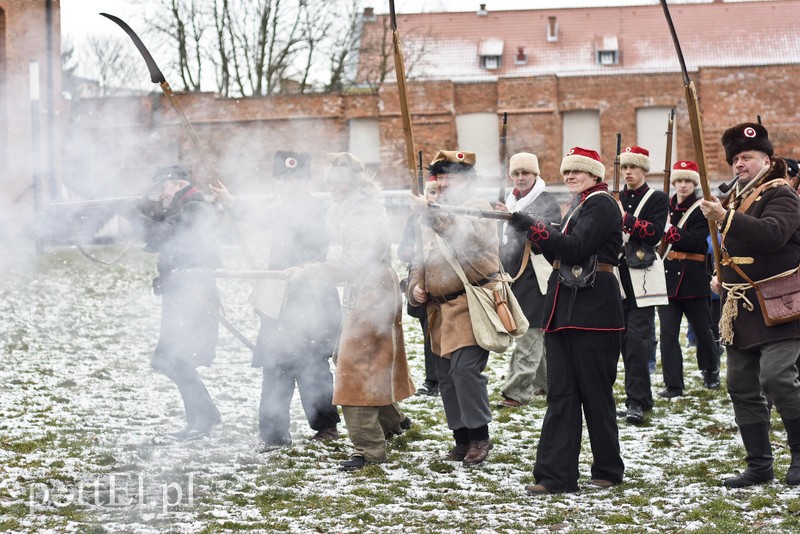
(521, 222)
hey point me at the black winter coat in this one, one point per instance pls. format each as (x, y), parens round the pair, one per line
(311, 316)
(687, 278)
(594, 229)
(187, 244)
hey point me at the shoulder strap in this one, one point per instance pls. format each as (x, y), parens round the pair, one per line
(757, 193)
(526, 255)
(682, 222)
(451, 258)
(590, 195)
(642, 203)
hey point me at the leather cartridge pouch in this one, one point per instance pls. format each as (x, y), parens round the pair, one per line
(779, 298)
(639, 255)
(580, 275)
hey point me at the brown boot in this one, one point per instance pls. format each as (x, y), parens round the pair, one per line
(477, 452)
(457, 453)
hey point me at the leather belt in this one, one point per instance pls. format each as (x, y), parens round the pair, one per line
(441, 299)
(675, 255)
(601, 267)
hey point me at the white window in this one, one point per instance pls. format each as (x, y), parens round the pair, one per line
(490, 52)
(651, 133)
(365, 140)
(581, 128)
(480, 133)
(606, 50)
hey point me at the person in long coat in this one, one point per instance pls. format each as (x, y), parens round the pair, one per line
(371, 368)
(583, 322)
(688, 278)
(760, 227)
(527, 369)
(299, 322)
(434, 283)
(186, 240)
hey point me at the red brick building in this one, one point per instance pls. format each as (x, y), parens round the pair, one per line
(564, 76)
(30, 81)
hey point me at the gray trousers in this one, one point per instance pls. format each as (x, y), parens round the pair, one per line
(367, 427)
(765, 372)
(527, 370)
(463, 388)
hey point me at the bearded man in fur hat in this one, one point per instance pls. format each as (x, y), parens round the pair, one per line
(760, 227)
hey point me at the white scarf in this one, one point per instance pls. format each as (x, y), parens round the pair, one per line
(515, 205)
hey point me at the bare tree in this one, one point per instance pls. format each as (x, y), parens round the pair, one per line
(343, 54)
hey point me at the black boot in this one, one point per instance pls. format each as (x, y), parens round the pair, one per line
(755, 437)
(793, 437)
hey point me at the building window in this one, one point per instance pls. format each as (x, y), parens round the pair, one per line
(490, 52)
(552, 30)
(606, 50)
(581, 128)
(490, 62)
(480, 133)
(651, 130)
(365, 140)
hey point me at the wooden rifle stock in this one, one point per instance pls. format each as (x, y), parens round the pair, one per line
(503, 158)
(693, 106)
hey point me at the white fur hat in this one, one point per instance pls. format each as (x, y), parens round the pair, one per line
(525, 161)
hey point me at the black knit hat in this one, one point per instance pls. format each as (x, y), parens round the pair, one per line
(743, 137)
(288, 164)
(173, 172)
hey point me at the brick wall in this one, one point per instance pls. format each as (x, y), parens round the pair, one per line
(241, 135)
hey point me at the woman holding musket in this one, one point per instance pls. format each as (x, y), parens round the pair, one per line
(582, 324)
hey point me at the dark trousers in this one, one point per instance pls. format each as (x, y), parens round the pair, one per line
(763, 375)
(430, 357)
(463, 388)
(315, 385)
(581, 370)
(637, 346)
(200, 409)
(698, 314)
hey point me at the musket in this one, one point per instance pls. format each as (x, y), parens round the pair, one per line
(668, 151)
(615, 191)
(503, 158)
(662, 246)
(98, 202)
(400, 74)
(420, 175)
(156, 76)
(471, 212)
(693, 107)
(253, 274)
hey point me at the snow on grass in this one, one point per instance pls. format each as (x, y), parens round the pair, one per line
(83, 448)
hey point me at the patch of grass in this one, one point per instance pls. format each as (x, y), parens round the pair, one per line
(29, 446)
(441, 466)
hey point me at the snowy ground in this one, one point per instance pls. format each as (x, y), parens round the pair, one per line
(82, 446)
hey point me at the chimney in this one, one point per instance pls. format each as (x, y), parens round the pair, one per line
(482, 11)
(552, 29)
(369, 14)
(521, 58)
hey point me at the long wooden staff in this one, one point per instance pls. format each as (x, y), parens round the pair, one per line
(693, 107)
(400, 74)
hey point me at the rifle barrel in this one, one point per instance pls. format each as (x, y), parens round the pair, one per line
(471, 212)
